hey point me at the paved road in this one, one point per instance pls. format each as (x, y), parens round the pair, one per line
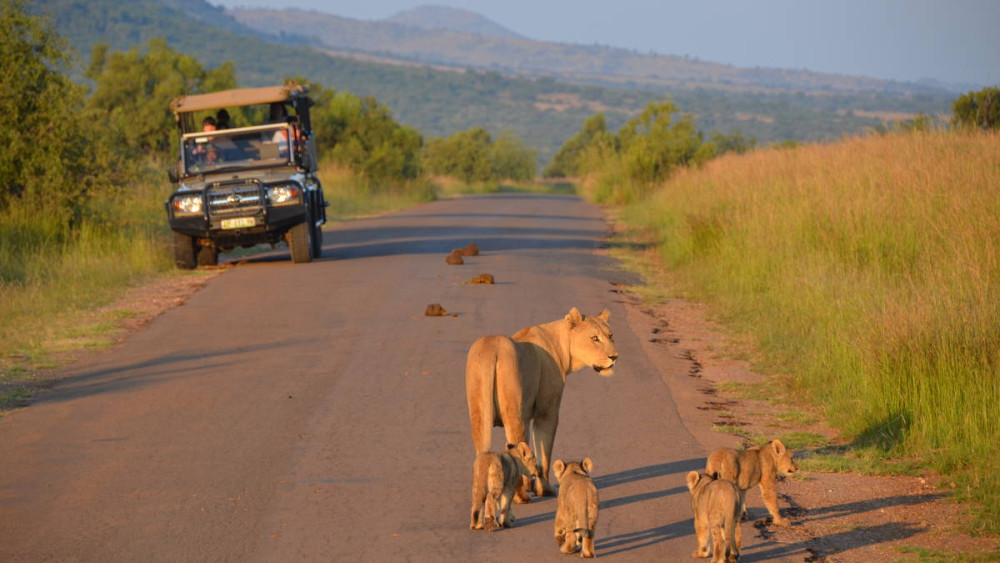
(311, 412)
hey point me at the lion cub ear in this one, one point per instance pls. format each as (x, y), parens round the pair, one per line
(574, 317)
(692, 479)
(587, 464)
(605, 315)
(778, 447)
(558, 467)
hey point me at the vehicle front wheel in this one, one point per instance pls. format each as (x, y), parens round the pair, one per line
(208, 255)
(317, 241)
(300, 241)
(184, 251)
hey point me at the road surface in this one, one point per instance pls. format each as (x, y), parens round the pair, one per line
(311, 412)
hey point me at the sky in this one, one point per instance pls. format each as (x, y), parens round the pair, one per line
(954, 41)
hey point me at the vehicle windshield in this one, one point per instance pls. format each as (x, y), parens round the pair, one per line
(245, 147)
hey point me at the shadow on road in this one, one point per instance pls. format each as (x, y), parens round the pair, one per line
(649, 472)
(634, 540)
(120, 379)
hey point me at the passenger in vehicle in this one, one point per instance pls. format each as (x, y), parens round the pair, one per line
(222, 119)
(204, 148)
(278, 114)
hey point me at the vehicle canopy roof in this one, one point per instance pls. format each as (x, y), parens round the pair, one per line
(290, 92)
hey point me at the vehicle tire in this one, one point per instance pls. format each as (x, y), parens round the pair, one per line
(184, 251)
(317, 240)
(208, 255)
(300, 241)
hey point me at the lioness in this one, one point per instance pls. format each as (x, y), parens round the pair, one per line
(751, 467)
(576, 506)
(494, 479)
(511, 381)
(716, 506)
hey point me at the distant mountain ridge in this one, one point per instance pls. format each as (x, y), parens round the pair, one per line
(453, 19)
(542, 111)
(414, 36)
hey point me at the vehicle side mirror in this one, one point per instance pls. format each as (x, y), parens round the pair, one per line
(172, 175)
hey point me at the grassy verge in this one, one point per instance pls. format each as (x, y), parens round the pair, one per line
(53, 279)
(54, 283)
(869, 270)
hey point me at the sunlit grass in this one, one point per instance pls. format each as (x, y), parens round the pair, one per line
(50, 275)
(351, 196)
(869, 270)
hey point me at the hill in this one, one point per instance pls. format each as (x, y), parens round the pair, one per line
(443, 17)
(468, 40)
(443, 99)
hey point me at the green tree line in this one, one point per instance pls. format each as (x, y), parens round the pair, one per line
(64, 145)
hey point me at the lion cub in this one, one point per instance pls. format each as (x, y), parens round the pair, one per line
(716, 505)
(751, 467)
(576, 506)
(494, 478)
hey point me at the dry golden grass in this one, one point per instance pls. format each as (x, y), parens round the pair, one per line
(869, 270)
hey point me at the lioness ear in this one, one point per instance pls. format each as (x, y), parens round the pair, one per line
(524, 449)
(574, 317)
(558, 466)
(605, 315)
(587, 464)
(692, 479)
(778, 447)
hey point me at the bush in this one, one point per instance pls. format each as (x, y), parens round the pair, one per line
(977, 110)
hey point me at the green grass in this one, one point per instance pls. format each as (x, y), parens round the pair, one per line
(797, 418)
(869, 271)
(925, 555)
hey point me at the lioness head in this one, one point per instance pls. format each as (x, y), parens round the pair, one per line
(591, 341)
(783, 458)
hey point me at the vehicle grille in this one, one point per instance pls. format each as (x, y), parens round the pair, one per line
(235, 199)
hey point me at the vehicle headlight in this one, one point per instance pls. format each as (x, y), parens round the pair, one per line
(284, 195)
(187, 205)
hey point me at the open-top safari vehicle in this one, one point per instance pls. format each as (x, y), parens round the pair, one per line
(251, 184)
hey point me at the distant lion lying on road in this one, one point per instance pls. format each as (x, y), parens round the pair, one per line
(511, 381)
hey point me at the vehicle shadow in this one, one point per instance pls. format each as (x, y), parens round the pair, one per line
(120, 379)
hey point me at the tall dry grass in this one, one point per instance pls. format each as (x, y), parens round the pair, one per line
(351, 195)
(869, 271)
(52, 275)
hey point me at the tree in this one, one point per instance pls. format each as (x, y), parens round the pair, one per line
(473, 156)
(733, 142)
(652, 144)
(360, 133)
(133, 91)
(512, 160)
(465, 155)
(48, 155)
(566, 162)
(979, 110)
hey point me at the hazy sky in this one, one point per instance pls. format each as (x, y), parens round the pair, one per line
(955, 41)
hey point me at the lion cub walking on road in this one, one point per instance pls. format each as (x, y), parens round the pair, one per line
(494, 479)
(747, 468)
(576, 506)
(716, 505)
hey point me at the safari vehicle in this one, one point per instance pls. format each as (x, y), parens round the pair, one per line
(251, 184)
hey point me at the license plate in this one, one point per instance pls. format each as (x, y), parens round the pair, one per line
(239, 223)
